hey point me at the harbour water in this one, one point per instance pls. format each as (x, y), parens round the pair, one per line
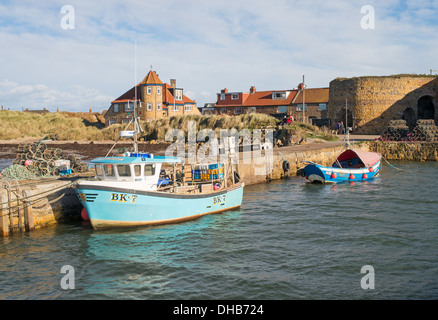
(289, 240)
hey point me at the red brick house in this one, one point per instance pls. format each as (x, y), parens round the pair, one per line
(155, 100)
(278, 103)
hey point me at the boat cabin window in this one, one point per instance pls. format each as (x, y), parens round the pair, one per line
(99, 170)
(123, 170)
(109, 170)
(137, 170)
(149, 169)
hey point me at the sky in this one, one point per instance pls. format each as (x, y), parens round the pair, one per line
(85, 55)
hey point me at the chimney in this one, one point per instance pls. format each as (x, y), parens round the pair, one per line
(252, 90)
(173, 83)
(225, 90)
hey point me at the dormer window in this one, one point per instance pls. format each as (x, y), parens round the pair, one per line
(178, 94)
(279, 95)
(234, 96)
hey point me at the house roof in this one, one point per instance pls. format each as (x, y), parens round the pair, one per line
(264, 98)
(151, 78)
(167, 95)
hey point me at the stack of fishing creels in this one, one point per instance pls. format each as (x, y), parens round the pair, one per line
(425, 130)
(44, 161)
(397, 130)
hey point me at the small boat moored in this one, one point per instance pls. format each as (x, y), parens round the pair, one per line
(135, 190)
(350, 165)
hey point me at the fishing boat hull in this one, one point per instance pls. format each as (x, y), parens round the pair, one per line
(316, 173)
(109, 207)
(350, 165)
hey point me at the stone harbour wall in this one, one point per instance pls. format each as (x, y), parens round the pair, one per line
(373, 101)
(414, 151)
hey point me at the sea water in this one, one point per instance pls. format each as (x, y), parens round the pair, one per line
(289, 240)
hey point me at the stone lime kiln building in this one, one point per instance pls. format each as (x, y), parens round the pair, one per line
(155, 100)
(373, 101)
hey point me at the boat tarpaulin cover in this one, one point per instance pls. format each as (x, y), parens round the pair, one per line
(368, 158)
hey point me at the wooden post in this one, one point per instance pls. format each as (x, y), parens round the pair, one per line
(28, 215)
(19, 211)
(4, 219)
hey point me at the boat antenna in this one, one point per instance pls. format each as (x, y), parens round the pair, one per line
(135, 98)
(347, 132)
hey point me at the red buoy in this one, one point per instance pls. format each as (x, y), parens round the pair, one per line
(84, 215)
(364, 176)
(334, 175)
(28, 163)
(370, 169)
(351, 176)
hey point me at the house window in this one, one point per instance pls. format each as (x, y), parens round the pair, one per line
(237, 110)
(159, 90)
(253, 110)
(278, 95)
(281, 109)
(176, 107)
(129, 106)
(222, 96)
(125, 120)
(322, 106)
(149, 106)
(223, 110)
(159, 105)
(234, 96)
(178, 94)
(149, 90)
(112, 121)
(116, 107)
(187, 107)
(300, 107)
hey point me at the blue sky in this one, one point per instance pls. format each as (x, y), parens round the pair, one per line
(205, 45)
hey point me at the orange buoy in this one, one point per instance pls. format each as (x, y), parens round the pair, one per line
(370, 169)
(84, 215)
(351, 176)
(364, 176)
(333, 175)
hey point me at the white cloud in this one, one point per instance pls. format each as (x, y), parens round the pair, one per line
(206, 46)
(38, 96)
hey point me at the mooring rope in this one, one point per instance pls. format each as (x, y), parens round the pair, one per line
(392, 165)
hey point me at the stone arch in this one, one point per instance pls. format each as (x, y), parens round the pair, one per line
(410, 117)
(426, 108)
(340, 116)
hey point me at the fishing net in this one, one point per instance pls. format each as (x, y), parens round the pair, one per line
(38, 161)
(398, 130)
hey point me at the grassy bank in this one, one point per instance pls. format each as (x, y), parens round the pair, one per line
(85, 126)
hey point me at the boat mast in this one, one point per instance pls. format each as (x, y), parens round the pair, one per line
(135, 98)
(347, 133)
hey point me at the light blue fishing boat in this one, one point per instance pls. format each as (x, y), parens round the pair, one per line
(130, 192)
(135, 189)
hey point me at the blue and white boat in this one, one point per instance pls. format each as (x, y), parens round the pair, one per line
(350, 165)
(129, 191)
